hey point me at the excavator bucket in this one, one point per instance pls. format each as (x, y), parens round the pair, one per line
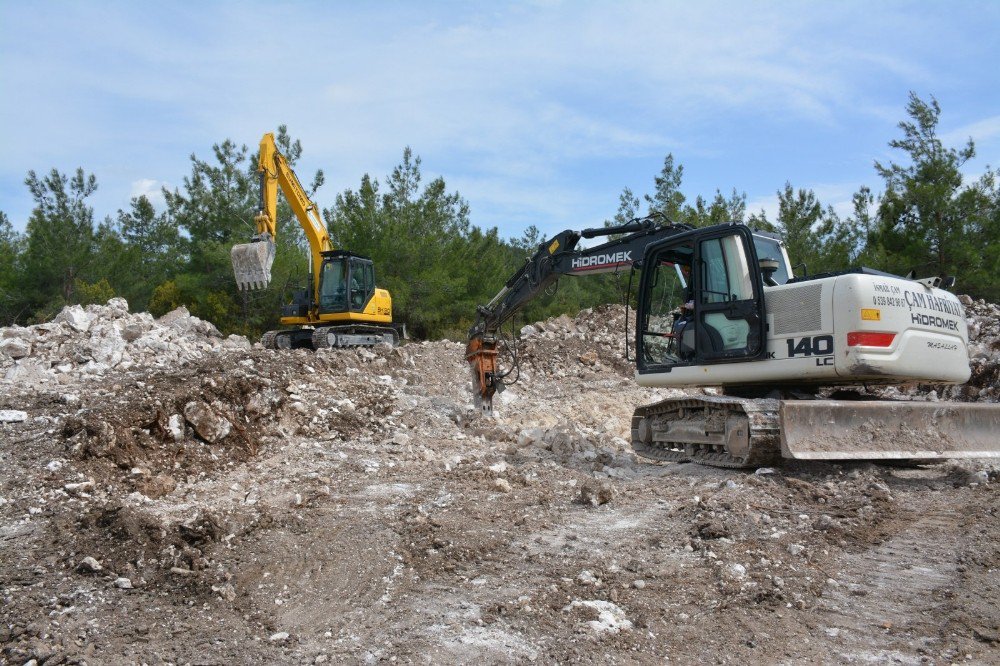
(252, 263)
(874, 430)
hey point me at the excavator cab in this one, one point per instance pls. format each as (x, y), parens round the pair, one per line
(701, 301)
(347, 282)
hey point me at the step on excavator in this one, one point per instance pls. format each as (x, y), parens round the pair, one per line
(340, 306)
(721, 307)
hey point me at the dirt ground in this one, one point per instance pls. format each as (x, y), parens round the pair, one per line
(347, 506)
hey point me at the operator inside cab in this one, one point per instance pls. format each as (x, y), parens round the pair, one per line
(684, 327)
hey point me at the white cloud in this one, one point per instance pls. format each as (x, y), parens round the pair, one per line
(151, 189)
(769, 204)
(979, 131)
(518, 99)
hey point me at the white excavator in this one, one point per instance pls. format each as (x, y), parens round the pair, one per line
(721, 307)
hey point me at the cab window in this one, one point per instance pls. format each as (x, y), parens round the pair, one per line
(727, 312)
(769, 248)
(725, 273)
(666, 337)
(361, 286)
(333, 287)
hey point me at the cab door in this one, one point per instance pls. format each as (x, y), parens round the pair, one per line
(728, 297)
(700, 301)
(362, 284)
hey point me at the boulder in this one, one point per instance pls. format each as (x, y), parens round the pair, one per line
(75, 317)
(12, 416)
(210, 426)
(15, 347)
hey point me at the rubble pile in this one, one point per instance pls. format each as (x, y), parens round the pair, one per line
(177, 424)
(590, 344)
(984, 353)
(85, 343)
(564, 401)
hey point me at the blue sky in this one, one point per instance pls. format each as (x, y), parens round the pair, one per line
(537, 112)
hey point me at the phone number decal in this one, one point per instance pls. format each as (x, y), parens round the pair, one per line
(889, 301)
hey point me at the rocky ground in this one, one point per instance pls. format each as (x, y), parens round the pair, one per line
(171, 496)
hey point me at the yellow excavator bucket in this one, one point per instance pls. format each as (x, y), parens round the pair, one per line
(885, 430)
(252, 263)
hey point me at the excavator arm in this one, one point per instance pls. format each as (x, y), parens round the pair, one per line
(252, 261)
(552, 259)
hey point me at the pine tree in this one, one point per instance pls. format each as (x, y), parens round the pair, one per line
(667, 198)
(141, 242)
(59, 244)
(927, 220)
(12, 304)
(436, 265)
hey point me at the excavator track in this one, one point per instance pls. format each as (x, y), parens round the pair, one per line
(719, 431)
(353, 336)
(269, 340)
(330, 336)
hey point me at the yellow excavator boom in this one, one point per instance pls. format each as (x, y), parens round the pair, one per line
(252, 261)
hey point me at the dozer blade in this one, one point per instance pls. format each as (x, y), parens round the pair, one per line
(873, 430)
(252, 263)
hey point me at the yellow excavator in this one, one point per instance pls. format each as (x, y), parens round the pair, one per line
(341, 306)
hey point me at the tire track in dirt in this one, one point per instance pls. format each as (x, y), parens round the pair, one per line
(890, 602)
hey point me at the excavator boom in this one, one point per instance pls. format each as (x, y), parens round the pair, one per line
(252, 261)
(553, 259)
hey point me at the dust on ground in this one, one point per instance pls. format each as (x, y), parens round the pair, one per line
(171, 496)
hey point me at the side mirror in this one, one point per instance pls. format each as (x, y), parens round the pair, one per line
(948, 282)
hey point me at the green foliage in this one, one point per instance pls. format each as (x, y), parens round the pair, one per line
(149, 244)
(59, 247)
(436, 266)
(12, 305)
(986, 282)
(165, 297)
(667, 198)
(928, 220)
(88, 293)
(814, 236)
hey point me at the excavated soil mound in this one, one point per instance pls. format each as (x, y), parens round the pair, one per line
(170, 496)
